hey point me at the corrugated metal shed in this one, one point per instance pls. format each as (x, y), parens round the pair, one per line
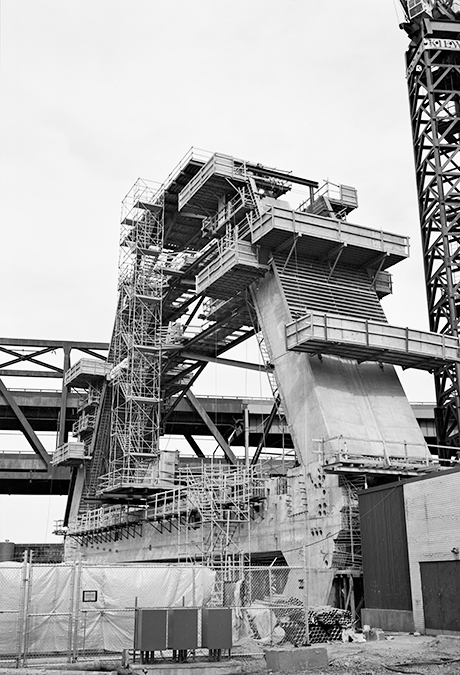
(384, 546)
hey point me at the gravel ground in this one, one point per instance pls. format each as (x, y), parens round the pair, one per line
(398, 653)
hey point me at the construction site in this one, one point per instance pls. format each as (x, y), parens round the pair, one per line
(220, 252)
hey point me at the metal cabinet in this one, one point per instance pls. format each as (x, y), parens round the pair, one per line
(216, 630)
(150, 629)
(182, 628)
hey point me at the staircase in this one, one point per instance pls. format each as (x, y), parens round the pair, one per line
(99, 444)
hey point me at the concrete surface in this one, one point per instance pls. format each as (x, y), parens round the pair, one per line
(389, 619)
(208, 667)
(301, 658)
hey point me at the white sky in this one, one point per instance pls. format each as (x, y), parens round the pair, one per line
(95, 93)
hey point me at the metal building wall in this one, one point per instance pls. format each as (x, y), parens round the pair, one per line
(384, 546)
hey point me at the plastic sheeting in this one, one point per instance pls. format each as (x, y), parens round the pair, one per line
(58, 619)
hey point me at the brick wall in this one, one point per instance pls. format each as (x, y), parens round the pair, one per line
(42, 553)
(432, 511)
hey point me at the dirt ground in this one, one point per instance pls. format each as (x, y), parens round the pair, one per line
(397, 653)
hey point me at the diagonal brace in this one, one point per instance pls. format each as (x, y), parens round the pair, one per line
(26, 429)
(194, 445)
(194, 402)
(266, 430)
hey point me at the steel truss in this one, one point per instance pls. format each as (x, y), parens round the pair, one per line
(434, 95)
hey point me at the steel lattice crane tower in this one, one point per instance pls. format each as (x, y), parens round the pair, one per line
(433, 76)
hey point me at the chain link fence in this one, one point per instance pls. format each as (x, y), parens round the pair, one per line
(77, 611)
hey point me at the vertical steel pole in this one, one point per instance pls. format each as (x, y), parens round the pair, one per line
(270, 603)
(305, 597)
(64, 395)
(246, 433)
(76, 611)
(21, 611)
(71, 606)
(26, 623)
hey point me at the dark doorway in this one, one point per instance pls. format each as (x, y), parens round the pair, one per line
(441, 592)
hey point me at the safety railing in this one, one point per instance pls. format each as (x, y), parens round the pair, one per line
(69, 453)
(372, 452)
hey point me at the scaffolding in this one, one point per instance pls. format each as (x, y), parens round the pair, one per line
(213, 501)
(137, 344)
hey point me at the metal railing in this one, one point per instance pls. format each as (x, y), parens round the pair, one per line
(370, 451)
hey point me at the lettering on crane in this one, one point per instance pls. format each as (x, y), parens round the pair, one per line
(441, 43)
(432, 43)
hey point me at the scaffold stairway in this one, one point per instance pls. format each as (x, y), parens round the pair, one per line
(100, 442)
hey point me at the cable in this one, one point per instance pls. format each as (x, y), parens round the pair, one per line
(380, 502)
(318, 541)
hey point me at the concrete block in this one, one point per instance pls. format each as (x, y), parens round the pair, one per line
(397, 620)
(301, 658)
(376, 634)
(227, 667)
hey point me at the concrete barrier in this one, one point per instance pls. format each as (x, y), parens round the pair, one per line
(301, 658)
(197, 668)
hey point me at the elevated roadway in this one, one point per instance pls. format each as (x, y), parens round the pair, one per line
(24, 473)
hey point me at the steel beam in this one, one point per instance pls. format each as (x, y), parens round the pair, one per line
(267, 426)
(6, 372)
(225, 362)
(194, 445)
(26, 429)
(64, 395)
(211, 426)
(26, 342)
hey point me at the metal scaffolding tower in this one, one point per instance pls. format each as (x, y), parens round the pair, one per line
(433, 75)
(137, 345)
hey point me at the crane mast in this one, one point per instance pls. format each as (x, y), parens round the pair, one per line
(433, 77)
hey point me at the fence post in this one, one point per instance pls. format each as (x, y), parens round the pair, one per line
(305, 597)
(270, 600)
(28, 586)
(71, 613)
(22, 611)
(193, 587)
(76, 610)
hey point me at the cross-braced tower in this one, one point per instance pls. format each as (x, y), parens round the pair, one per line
(433, 73)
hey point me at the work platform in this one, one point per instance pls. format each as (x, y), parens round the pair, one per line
(86, 372)
(318, 237)
(353, 455)
(234, 268)
(366, 340)
(202, 193)
(69, 454)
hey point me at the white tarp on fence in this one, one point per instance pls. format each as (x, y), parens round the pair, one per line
(55, 607)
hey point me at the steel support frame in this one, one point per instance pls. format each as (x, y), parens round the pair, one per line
(26, 429)
(434, 85)
(211, 426)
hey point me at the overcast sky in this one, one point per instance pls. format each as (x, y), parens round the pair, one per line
(95, 93)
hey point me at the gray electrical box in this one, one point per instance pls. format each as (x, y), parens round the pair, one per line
(182, 628)
(216, 628)
(150, 629)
